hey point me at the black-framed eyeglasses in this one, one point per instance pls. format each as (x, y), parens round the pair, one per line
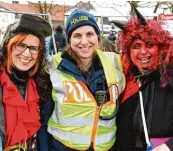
(22, 47)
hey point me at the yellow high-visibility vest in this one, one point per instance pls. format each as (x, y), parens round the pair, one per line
(75, 120)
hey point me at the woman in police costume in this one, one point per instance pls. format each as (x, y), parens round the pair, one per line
(86, 84)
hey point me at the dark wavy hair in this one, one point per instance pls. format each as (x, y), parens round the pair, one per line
(153, 33)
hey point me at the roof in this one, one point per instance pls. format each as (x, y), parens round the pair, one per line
(17, 7)
(57, 13)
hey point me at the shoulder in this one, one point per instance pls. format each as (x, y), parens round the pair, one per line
(53, 61)
(55, 58)
(130, 89)
(113, 60)
(116, 58)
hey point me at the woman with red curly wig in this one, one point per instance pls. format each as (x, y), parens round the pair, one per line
(145, 117)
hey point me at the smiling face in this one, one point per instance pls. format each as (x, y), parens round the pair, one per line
(144, 55)
(24, 60)
(83, 42)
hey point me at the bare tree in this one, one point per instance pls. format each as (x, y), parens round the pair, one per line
(160, 4)
(132, 5)
(43, 7)
(169, 4)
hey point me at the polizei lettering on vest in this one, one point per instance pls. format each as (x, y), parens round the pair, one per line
(75, 92)
(78, 19)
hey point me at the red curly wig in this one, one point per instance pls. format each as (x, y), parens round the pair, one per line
(153, 33)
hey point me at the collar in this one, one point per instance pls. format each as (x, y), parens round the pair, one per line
(70, 65)
(132, 86)
(11, 93)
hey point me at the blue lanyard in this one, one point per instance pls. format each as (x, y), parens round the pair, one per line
(150, 148)
(0, 143)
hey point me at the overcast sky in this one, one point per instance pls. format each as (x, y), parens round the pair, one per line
(71, 2)
(100, 3)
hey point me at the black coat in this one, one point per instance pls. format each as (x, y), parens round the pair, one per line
(158, 106)
(60, 41)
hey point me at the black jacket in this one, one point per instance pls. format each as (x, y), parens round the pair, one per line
(60, 41)
(158, 106)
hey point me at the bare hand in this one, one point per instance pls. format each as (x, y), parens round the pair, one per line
(162, 147)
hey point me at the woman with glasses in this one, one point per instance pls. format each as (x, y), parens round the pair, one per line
(22, 58)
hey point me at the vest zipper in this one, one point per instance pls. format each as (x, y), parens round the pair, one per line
(95, 125)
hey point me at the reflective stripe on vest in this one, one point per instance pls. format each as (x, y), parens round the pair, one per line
(75, 112)
(79, 121)
(77, 139)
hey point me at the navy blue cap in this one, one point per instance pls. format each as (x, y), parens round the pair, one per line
(80, 18)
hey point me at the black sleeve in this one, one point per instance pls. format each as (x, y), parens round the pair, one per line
(169, 143)
(43, 137)
(2, 119)
(64, 42)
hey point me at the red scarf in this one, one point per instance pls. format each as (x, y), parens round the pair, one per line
(21, 116)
